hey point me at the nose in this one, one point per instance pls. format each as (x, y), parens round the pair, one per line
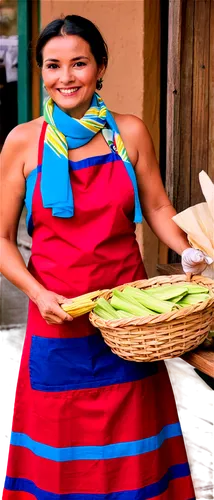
(66, 76)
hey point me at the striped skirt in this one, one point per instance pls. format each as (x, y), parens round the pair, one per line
(90, 426)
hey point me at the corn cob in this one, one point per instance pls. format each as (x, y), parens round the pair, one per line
(82, 304)
(82, 310)
(159, 306)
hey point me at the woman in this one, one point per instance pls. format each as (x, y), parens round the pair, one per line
(87, 424)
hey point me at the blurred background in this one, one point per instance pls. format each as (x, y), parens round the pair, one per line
(161, 68)
(8, 67)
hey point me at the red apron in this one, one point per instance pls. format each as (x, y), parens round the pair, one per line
(88, 425)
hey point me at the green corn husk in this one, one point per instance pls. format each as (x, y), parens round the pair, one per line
(124, 314)
(167, 292)
(152, 303)
(104, 304)
(192, 289)
(102, 313)
(120, 302)
(191, 299)
(178, 298)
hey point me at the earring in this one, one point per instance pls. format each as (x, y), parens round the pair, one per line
(99, 84)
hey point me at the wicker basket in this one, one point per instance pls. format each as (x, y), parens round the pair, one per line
(162, 336)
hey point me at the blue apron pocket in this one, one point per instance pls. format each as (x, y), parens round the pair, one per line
(61, 364)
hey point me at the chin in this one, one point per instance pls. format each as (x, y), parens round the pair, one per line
(73, 103)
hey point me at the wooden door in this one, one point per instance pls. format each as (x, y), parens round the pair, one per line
(190, 100)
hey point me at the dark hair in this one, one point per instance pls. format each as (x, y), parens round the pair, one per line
(74, 25)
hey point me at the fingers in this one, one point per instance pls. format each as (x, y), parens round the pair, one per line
(188, 276)
(208, 260)
(199, 257)
(48, 304)
(62, 315)
(53, 319)
(67, 317)
(67, 301)
(193, 261)
(60, 299)
(56, 315)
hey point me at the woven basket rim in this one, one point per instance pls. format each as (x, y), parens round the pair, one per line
(153, 320)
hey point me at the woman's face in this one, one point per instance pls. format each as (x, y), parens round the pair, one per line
(70, 73)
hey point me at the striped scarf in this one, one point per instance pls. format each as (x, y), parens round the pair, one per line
(63, 133)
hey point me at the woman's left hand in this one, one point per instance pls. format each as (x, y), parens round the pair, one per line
(194, 261)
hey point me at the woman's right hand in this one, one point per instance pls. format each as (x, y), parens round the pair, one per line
(194, 261)
(48, 304)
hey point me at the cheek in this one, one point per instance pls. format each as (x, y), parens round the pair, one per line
(90, 76)
(48, 78)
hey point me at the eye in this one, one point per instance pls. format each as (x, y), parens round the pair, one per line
(52, 66)
(79, 64)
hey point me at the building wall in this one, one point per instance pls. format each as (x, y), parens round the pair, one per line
(133, 68)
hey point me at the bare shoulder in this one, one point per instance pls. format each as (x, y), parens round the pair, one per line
(23, 135)
(19, 152)
(133, 129)
(130, 122)
(135, 135)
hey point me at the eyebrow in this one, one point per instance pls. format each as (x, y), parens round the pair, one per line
(73, 59)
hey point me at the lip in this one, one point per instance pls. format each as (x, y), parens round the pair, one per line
(60, 90)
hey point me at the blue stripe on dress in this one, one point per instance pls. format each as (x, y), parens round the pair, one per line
(105, 452)
(94, 161)
(174, 472)
(61, 364)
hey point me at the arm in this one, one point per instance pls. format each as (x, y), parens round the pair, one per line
(157, 208)
(12, 195)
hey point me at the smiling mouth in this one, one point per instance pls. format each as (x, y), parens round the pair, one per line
(68, 92)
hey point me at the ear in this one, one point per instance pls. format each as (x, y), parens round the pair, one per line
(101, 71)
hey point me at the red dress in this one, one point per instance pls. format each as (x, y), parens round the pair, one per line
(88, 425)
